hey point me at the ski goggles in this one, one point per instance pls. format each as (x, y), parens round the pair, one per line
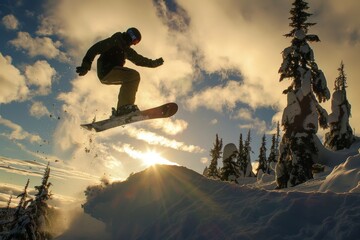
(134, 39)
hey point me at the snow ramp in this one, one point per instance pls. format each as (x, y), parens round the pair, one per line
(172, 202)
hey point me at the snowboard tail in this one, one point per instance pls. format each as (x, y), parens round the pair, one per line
(163, 111)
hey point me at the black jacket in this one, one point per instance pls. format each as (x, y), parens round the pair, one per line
(113, 52)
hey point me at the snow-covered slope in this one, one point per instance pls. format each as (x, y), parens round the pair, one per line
(345, 177)
(172, 202)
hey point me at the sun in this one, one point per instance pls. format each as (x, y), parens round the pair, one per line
(151, 158)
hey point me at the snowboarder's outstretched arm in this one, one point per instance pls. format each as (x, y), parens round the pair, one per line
(142, 61)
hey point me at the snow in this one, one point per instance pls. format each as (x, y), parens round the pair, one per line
(229, 149)
(292, 109)
(311, 120)
(173, 202)
(344, 178)
(337, 105)
(305, 48)
(300, 34)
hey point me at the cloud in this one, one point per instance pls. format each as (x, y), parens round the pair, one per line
(204, 160)
(214, 121)
(59, 169)
(10, 22)
(13, 85)
(249, 121)
(40, 74)
(38, 110)
(39, 46)
(147, 158)
(244, 114)
(169, 126)
(256, 124)
(7, 190)
(18, 133)
(226, 96)
(155, 139)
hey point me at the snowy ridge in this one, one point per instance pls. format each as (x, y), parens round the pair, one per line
(345, 177)
(172, 202)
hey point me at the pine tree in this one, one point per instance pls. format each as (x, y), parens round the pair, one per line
(23, 202)
(303, 113)
(9, 212)
(14, 228)
(9, 203)
(30, 222)
(246, 165)
(274, 149)
(240, 156)
(262, 156)
(241, 149)
(38, 209)
(205, 172)
(6, 217)
(215, 154)
(273, 154)
(230, 170)
(340, 135)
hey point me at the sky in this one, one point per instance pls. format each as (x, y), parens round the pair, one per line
(221, 68)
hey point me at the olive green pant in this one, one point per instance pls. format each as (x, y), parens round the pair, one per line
(129, 80)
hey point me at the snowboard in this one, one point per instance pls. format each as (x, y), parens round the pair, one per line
(163, 111)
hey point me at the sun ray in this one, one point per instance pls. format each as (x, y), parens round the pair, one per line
(151, 158)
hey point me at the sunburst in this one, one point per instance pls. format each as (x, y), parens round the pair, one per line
(151, 158)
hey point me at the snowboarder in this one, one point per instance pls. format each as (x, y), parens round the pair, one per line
(110, 67)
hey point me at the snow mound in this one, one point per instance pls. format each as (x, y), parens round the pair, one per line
(344, 178)
(172, 202)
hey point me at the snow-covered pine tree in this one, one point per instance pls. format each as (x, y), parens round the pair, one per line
(262, 156)
(273, 154)
(303, 112)
(247, 166)
(38, 209)
(9, 203)
(240, 155)
(9, 212)
(23, 202)
(241, 148)
(13, 229)
(340, 135)
(32, 222)
(274, 150)
(6, 216)
(215, 154)
(230, 170)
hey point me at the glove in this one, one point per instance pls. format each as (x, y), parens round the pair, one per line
(83, 69)
(158, 62)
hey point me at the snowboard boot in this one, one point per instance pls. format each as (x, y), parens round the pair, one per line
(124, 110)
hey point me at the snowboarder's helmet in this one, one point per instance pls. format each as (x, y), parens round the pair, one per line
(134, 35)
